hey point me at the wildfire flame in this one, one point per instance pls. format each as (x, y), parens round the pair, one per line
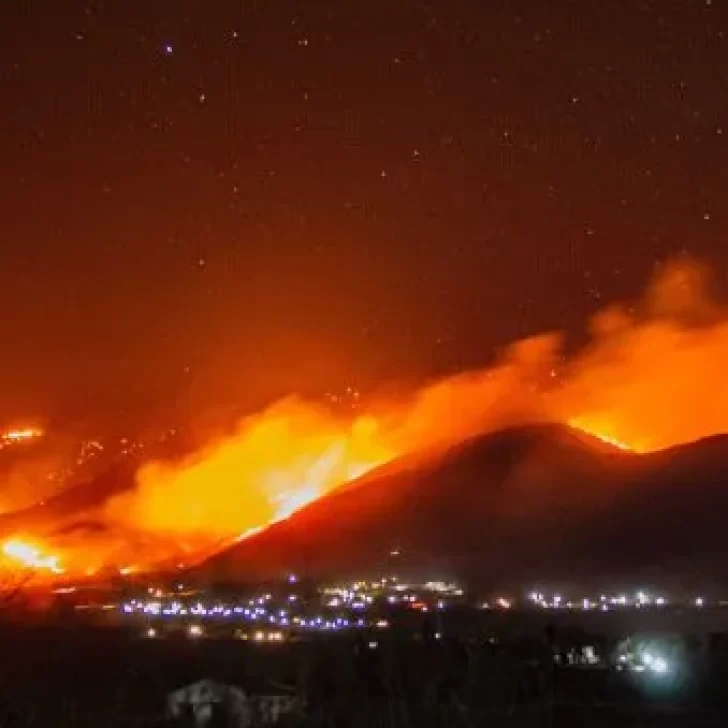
(276, 463)
(606, 438)
(23, 554)
(12, 437)
(645, 381)
(26, 434)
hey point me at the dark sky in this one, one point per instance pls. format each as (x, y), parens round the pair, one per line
(213, 203)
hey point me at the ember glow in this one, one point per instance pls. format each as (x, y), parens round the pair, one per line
(645, 381)
(23, 554)
(601, 434)
(20, 435)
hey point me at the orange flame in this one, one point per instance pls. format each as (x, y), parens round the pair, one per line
(600, 434)
(276, 463)
(27, 433)
(13, 437)
(646, 380)
(24, 554)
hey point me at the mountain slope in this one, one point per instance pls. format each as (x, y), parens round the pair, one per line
(524, 504)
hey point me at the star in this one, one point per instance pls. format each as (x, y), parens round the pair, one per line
(444, 172)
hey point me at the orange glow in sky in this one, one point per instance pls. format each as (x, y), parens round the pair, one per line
(646, 381)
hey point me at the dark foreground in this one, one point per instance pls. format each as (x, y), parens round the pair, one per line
(96, 677)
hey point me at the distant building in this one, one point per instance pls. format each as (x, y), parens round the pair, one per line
(208, 703)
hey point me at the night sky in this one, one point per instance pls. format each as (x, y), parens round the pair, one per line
(210, 204)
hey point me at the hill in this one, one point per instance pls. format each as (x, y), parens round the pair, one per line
(525, 505)
(74, 505)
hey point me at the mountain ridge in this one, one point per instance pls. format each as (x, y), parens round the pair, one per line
(522, 502)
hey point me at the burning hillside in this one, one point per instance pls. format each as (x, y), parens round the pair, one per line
(12, 437)
(25, 555)
(647, 380)
(529, 504)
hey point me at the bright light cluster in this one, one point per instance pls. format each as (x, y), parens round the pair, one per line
(251, 612)
(340, 607)
(652, 657)
(422, 597)
(261, 636)
(23, 554)
(604, 602)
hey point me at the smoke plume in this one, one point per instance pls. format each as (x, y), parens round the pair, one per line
(649, 377)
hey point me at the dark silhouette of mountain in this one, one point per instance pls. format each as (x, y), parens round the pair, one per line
(524, 505)
(534, 504)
